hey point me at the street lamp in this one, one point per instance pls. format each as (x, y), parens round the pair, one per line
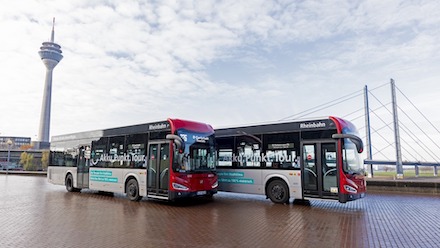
(9, 142)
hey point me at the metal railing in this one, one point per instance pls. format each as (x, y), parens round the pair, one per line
(370, 164)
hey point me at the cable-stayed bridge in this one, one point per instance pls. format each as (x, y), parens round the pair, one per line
(395, 131)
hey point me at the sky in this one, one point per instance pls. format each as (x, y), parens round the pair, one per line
(225, 63)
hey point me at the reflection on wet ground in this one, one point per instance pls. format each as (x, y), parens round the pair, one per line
(34, 213)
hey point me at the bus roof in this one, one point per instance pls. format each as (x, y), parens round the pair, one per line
(168, 125)
(303, 125)
(190, 125)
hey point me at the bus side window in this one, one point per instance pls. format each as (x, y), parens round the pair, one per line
(225, 157)
(117, 149)
(248, 155)
(283, 159)
(136, 149)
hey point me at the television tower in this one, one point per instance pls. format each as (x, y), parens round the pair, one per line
(50, 54)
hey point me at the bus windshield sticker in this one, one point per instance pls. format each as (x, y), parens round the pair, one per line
(194, 138)
(103, 176)
(234, 177)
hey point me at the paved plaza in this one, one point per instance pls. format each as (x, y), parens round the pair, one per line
(35, 214)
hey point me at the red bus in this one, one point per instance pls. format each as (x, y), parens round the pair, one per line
(165, 160)
(314, 159)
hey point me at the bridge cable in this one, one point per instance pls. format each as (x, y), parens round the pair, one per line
(418, 110)
(323, 106)
(389, 111)
(428, 150)
(419, 142)
(380, 151)
(405, 130)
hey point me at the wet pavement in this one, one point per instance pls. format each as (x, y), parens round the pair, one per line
(34, 213)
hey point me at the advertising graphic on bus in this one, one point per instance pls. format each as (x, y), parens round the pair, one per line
(317, 159)
(163, 160)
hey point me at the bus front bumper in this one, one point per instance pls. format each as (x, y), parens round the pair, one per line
(175, 195)
(343, 198)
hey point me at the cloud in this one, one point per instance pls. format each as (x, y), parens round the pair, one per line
(222, 62)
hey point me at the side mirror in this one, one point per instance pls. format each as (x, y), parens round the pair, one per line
(180, 144)
(353, 138)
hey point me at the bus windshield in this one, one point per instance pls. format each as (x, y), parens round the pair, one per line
(198, 153)
(352, 162)
(351, 159)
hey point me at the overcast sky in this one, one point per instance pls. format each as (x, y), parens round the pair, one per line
(220, 62)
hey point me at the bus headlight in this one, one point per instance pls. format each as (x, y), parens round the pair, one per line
(214, 185)
(350, 189)
(179, 186)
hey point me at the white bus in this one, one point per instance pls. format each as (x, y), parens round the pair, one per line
(164, 160)
(303, 160)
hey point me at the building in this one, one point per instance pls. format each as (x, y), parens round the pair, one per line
(12, 147)
(16, 142)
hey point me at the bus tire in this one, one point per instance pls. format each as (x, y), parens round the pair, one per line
(69, 184)
(132, 190)
(209, 197)
(278, 192)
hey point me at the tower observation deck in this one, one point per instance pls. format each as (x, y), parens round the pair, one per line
(50, 54)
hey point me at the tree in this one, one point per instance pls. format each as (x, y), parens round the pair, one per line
(44, 159)
(26, 160)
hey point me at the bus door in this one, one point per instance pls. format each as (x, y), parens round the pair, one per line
(319, 170)
(158, 169)
(83, 167)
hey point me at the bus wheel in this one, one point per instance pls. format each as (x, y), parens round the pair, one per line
(69, 184)
(132, 190)
(209, 197)
(278, 192)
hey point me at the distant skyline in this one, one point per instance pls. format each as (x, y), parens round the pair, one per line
(221, 62)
